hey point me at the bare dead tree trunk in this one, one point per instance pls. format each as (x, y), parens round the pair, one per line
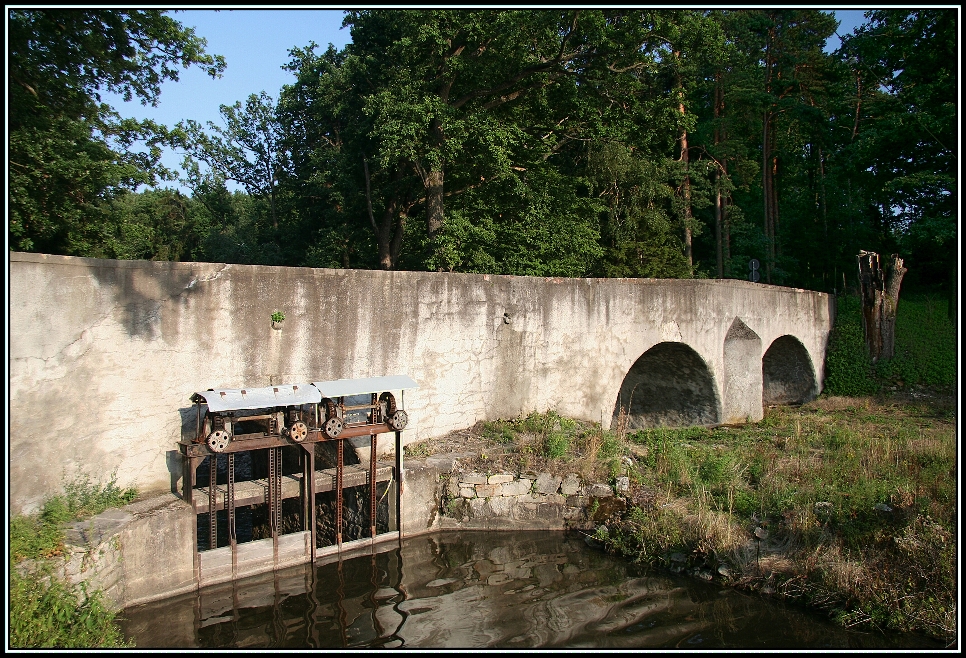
(880, 299)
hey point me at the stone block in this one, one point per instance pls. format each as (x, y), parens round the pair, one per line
(571, 513)
(469, 479)
(500, 478)
(516, 488)
(501, 506)
(600, 491)
(577, 501)
(489, 490)
(549, 512)
(554, 499)
(479, 508)
(570, 485)
(467, 492)
(498, 578)
(453, 487)
(623, 484)
(548, 484)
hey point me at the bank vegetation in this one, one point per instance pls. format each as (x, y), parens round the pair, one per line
(47, 611)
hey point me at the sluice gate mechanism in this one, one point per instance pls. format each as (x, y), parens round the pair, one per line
(269, 477)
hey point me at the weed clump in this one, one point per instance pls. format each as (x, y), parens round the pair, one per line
(46, 611)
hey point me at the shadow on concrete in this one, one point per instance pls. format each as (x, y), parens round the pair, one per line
(668, 386)
(787, 373)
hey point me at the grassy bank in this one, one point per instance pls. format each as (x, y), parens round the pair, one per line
(45, 611)
(848, 504)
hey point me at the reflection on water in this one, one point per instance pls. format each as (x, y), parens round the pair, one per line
(484, 589)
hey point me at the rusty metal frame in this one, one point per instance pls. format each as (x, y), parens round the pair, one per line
(230, 501)
(196, 450)
(338, 494)
(372, 487)
(212, 502)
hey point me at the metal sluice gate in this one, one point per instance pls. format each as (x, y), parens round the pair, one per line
(263, 422)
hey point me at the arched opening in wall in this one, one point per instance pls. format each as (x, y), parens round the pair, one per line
(668, 386)
(787, 374)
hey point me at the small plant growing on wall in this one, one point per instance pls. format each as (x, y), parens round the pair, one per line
(277, 318)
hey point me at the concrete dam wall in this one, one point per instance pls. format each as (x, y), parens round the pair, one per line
(105, 354)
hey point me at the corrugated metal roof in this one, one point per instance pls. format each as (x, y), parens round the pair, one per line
(225, 399)
(339, 387)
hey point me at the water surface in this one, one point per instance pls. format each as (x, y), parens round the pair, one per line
(477, 589)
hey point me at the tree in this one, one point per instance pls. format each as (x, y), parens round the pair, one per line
(348, 196)
(67, 150)
(248, 150)
(906, 132)
(463, 98)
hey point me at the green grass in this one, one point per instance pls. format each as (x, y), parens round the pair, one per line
(45, 611)
(925, 345)
(925, 350)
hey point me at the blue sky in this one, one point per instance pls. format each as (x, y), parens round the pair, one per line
(255, 44)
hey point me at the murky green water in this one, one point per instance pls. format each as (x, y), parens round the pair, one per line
(479, 589)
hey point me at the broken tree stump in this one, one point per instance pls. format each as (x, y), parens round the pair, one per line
(880, 298)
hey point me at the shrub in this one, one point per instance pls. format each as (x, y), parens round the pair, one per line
(556, 445)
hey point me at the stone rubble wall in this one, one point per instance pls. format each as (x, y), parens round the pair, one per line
(526, 500)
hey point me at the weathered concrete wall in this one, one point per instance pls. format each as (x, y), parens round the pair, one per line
(141, 552)
(105, 354)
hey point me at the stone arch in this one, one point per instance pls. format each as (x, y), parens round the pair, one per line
(741, 400)
(669, 385)
(787, 373)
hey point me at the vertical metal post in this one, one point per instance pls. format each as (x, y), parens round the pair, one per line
(230, 502)
(212, 501)
(399, 482)
(311, 495)
(338, 494)
(304, 463)
(271, 490)
(187, 466)
(278, 489)
(372, 486)
(274, 495)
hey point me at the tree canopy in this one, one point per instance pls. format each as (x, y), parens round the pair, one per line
(67, 149)
(556, 142)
